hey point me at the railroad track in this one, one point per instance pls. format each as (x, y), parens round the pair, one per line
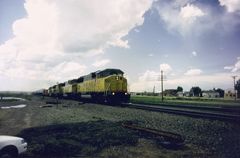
(198, 113)
(218, 113)
(218, 108)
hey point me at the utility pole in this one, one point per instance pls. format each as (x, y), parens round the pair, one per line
(162, 84)
(153, 89)
(57, 93)
(234, 88)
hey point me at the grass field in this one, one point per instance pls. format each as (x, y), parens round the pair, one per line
(183, 100)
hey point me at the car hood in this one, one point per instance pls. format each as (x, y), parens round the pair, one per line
(7, 138)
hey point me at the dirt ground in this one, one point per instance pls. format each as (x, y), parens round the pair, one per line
(76, 129)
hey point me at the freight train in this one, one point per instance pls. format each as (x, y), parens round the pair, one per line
(108, 85)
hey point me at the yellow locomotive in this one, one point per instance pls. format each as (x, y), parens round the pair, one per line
(107, 85)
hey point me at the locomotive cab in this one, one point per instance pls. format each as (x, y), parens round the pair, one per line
(115, 85)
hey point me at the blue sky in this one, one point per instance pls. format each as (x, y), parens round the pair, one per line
(195, 42)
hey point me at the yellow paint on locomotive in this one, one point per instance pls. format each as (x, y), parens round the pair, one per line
(71, 88)
(116, 83)
(113, 83)
(58, 89)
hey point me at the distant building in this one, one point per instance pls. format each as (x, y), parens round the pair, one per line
(144, 94)
(133, 93)
(210, 94)
(170, 92)
(229, 94)
(186, 94)
(180, 94)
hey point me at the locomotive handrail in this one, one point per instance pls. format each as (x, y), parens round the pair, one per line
(107, 89)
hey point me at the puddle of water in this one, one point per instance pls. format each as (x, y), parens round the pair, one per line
(9, 98)
(14, 107)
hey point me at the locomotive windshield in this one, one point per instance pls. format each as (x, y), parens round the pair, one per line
(109, 72)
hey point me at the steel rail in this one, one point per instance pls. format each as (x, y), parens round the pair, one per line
(188, 112)
(220, 108)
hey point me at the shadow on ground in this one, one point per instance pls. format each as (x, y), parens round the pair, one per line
(81, 139)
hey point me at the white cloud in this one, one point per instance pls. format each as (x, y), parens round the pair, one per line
(231, 5)
(206, 82)
(180, 16)
(228, 67)
(65, 71)
(188, 17)
(119, 43)
(166, 68)
(59, 33)
(60, 72)
(190, 12)
(141, 86)
(235, 67)
(149, 76)
(193, 72)
(221, 80)
(194, 53)
(101, 63)
(150, 55)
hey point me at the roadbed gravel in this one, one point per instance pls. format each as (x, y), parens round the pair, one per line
(99, 126)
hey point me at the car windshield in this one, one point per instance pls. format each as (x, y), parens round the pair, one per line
(109, 72)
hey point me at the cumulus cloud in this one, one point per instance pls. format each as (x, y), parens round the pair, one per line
(190, 13)
(228, 67)
(231, 5)
(181, 16)
(222, 80)
(58, 33)
(166, 68)
(65, 71)
(149, 76)
(190, 17)
(193, 72)
(146, 81)
(235, 67)
(101, 63)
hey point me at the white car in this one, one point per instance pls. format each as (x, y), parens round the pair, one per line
(11, 146)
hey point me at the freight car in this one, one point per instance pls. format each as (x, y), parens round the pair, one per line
(108, 85)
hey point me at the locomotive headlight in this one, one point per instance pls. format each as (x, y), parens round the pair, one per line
(113, 93)
(126, 93)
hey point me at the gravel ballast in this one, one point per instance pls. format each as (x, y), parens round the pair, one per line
(203, 137)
